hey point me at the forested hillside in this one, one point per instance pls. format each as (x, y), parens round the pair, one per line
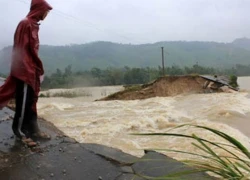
(107, 54)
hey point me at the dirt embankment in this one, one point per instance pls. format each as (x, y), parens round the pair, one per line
(162, 87)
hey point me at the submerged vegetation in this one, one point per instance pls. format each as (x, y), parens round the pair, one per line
(129, 88)
(232, 163)
(66, 94)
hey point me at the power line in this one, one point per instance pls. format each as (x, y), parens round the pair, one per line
(23, 1)
(60, 13)
(86, 23)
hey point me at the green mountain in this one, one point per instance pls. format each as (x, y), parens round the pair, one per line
(108, 54)
(242, 43)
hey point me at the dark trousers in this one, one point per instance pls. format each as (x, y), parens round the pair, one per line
(25, 120)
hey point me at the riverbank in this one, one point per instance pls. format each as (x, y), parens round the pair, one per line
(64, 158)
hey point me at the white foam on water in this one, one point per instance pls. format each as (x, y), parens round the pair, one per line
(244, 83)
(112, 122)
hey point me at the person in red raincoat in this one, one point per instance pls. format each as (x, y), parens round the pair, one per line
(24, 80)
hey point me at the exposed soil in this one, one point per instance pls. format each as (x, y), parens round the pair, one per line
(162, 87)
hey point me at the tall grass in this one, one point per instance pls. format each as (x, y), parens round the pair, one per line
(234, 165)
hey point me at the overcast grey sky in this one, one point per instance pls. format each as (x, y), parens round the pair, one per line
(132, 21)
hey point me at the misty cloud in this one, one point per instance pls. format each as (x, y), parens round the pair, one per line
(127, 21)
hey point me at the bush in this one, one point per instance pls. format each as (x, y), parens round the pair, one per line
(233, 81)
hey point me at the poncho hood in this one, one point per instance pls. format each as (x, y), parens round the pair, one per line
(38, 8)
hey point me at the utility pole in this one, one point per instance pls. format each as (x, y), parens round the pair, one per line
(163, 66)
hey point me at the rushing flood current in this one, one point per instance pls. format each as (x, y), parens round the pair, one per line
(112, 122)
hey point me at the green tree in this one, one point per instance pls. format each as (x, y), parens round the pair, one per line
(233, 81)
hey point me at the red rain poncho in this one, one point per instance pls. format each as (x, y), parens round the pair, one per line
(26, 65)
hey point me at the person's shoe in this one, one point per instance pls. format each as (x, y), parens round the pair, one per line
(41, 135)
(28, 142)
